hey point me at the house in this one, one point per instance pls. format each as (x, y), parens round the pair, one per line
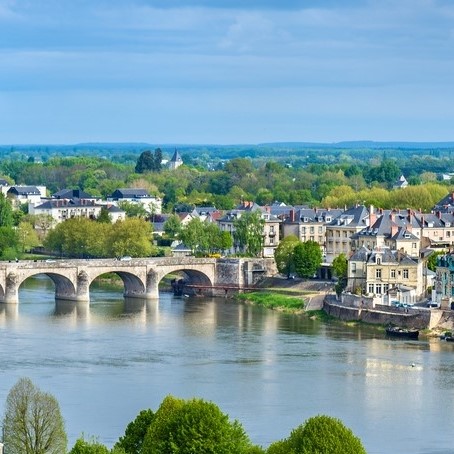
(386, 275)
(61, 210)
(444, 281)
(400, 183)
(135, 195)
(309, 224)
(206, 214)
(73, 194)
(341, 228)
(270, 233)
(446, 204)
(25, 194)
(388, 229)
(176, 161)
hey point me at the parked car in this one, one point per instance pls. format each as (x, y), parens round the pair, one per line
(125, 258)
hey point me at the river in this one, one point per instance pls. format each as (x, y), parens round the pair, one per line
(108, 360)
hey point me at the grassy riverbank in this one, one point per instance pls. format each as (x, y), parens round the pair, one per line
(272, 300)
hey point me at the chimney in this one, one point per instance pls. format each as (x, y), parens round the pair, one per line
(439, 214)
(292, 215)
(392, 216)
(372, 216)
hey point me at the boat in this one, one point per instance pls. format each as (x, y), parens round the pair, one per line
(405, 333)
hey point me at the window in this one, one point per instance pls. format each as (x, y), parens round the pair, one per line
(378, 261)
(378, 273)
(312, 230)
(271, 228)
(353, 267)
(405, 274)
(320, 229)
(371, 288)
(393, 274)
(378, 289)
(413, 245)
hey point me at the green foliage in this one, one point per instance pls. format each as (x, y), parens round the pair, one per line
(6, 212)
(193, 426)
(148, 162)
(104, 216)
(320, 434)
(205, 238)
(308, 258)
(27, 237)
(81, 237)
(340, 268)
(32, 423)
(9, 243)
(136, 430)
(133, 210)
(284, 255)
(131, 237)
(248, 234)
(432, 260)
(273, 300)
(91, 446)
(172, 227)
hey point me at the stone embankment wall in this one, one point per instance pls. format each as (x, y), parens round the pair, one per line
(381, 315)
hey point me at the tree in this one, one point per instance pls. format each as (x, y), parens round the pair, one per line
(104, 216)
(136, 430)
(248, 233)
(194, 426)
(172, 227)
(308, 258)
(27, 237)
(284, 255)
(131, 237)
(133, 210)
(145, 162)
(193, 235)
(32, 423)
(319, 434)
(340, 268)
(6, 212)
(92, 446)
(9, 243)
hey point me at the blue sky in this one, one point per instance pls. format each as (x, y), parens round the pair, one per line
(226, 72)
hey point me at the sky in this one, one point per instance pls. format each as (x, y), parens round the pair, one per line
(226, 71)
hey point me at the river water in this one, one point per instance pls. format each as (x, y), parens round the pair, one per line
(108, 360)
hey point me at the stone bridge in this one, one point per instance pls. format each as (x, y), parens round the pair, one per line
(141, 277)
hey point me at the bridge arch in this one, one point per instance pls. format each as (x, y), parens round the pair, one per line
(133, 284)
(64, 286)
(194, 281)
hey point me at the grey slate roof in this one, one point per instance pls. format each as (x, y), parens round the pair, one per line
(71, 194)
(129, 193)
(24, 190)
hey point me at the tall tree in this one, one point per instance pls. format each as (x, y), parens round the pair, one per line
(284, 255)
(308, 258)
(6, 212)
(32, 423)
(340, 268)
(248, 234)
(145, 162)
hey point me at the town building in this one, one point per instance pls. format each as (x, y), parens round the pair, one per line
(444, 281)
(386, 275)
(270, 230)
(25, 194)
(340, 230)
(151, 204)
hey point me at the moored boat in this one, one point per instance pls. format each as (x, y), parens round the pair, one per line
(406, 333)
